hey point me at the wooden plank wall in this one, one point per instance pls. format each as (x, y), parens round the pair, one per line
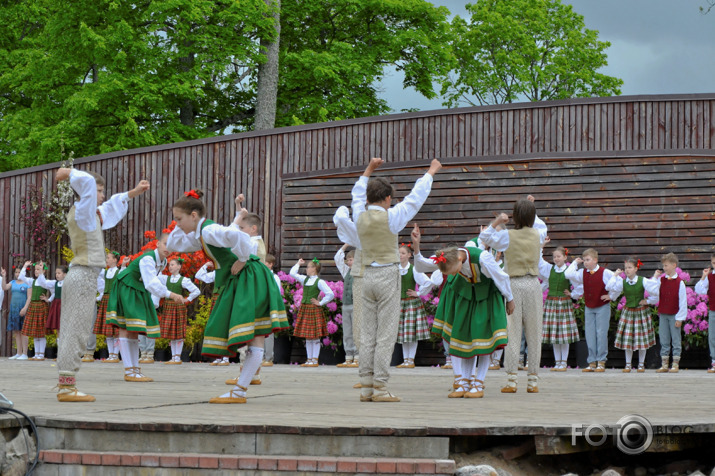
(644, 206)
(256, 163)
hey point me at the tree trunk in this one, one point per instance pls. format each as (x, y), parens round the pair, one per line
(267, 93)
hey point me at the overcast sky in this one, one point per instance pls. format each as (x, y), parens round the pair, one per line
(657, 47)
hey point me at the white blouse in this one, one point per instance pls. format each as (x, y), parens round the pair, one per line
(310, 280)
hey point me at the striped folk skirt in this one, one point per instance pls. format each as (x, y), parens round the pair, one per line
(53, 317)
(559, 322)
(413, 321)
(172, 320)
(35, 319)
(635, 329)
(131, 309)
(100, 325)
(310, 323)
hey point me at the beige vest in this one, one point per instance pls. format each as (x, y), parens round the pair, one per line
(379, 244)
(522, 256)
(261, 251)
(87, 246)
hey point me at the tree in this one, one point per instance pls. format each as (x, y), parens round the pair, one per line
(533, 49)
(267, 86)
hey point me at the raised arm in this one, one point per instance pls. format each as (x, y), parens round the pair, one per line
(402, 213)
(339, 259)
(294, 271)
(498, 240)
(347, 231)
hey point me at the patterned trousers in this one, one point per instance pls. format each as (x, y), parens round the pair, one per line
(357, 310)
(78, 311)
(528, 314)
(379, 321)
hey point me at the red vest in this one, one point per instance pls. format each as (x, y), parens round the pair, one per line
(593, 288)
(669, 289)
(711, 290)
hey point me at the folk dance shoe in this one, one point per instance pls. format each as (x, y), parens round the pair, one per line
(235, 395)
(224, 362)
(215, 362)
(348, 362)
(255, 380)
(675, 368)
(112, 359)
(355, 364)
(461, 386)
(88, 357)
(494, 364)
(366, 389)
(68, 391)
(134, 374)
(407, 364)
(591, 367)
(627, 369)
(601, 367)
(146, 358)
(310, 363)
(664, 366)
(175, 360)
(560, 366)
(381, 394)
(510, 384)
(267, 363)
(456, 384)
(711, 370)
(641, 367)
(447, 363)
(38, 357)
(531, 385)
(476, 389)
(522, 366)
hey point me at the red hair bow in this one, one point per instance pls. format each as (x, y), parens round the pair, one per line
(405, 245)
(439, 259)
(566, 251)
(192, 194)
(639, 264)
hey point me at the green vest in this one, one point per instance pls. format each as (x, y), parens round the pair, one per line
(132, 275)
(408, 282)
(176, 287)
(634, 292)
(348, 289)
(58, 290)
(37, 291)
(310, 292)
(223, 259)
(109, 281)
(557, 283)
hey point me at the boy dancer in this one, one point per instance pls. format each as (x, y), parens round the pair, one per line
(673, 309)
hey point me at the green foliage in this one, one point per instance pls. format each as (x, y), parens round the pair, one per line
(534, 49)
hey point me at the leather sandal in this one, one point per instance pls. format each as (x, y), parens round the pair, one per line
(381, 394)
(135, 375)
(71, 394)
(627, 369)
(462, 387)
(641, 368)
(476, 390)
(234, 396)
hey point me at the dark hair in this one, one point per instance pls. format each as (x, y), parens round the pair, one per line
(190, 204)
(524, 213)
(65, 269)
(253, 220)
(378, 189)
(97, 178)
(350, 254)
(270, 259)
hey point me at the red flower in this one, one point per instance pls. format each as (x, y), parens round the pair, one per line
(149, 235)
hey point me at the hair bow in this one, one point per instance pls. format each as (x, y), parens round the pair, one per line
(406, 245)
(44, 266)
(316, 261)
(566, 251)
(192, 194)
(116, 254)
(439, 259)
(639, 264)
(180, 260)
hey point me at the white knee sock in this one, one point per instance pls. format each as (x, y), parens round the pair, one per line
(457, 366)
(473, 366)
(483, 366)
(179, 346)
(641, 355)
(126, 350)
(316, 349)
(629, 357)
(254, 358)
(565, 352)
(110, 345)
(557, 353)
(409, 350)
(445, 344)
(40, 344)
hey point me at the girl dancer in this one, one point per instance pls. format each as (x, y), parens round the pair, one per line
(105, 283)
(36, 317)
(173, 315)
(413, 319)
(19, 302)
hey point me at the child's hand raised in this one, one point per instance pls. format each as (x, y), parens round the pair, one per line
(375, 162)
(578, 261)
(434, 167)
(125, 261)
(530, 198)
(239, 200)
(141, 187)
(501, 219)
(657, 274)
(706, 271)
(26, 264)
(301, 261)
(618, 272)
(62, 174)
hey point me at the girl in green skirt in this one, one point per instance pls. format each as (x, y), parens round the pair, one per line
(249, 306)
(471, 314)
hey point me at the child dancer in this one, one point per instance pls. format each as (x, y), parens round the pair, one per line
(55, 287)
(473, 314)
(378, 225)
(270, 261)
(594, 279)
(19, 302)
(86, 221)
(413, 325)
(635, 330)
(344, 263)
(131, 308)
(207, 275)
(36, 317)
(235, 320)
(310, 322)
(173, 316)
(560, 327)
(105, 282)
(706, 286)
(673, 309)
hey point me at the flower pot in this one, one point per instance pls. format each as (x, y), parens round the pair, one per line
(282, 346)
(162, 355)
(51, 353)
(328, 356)
(429, 354)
